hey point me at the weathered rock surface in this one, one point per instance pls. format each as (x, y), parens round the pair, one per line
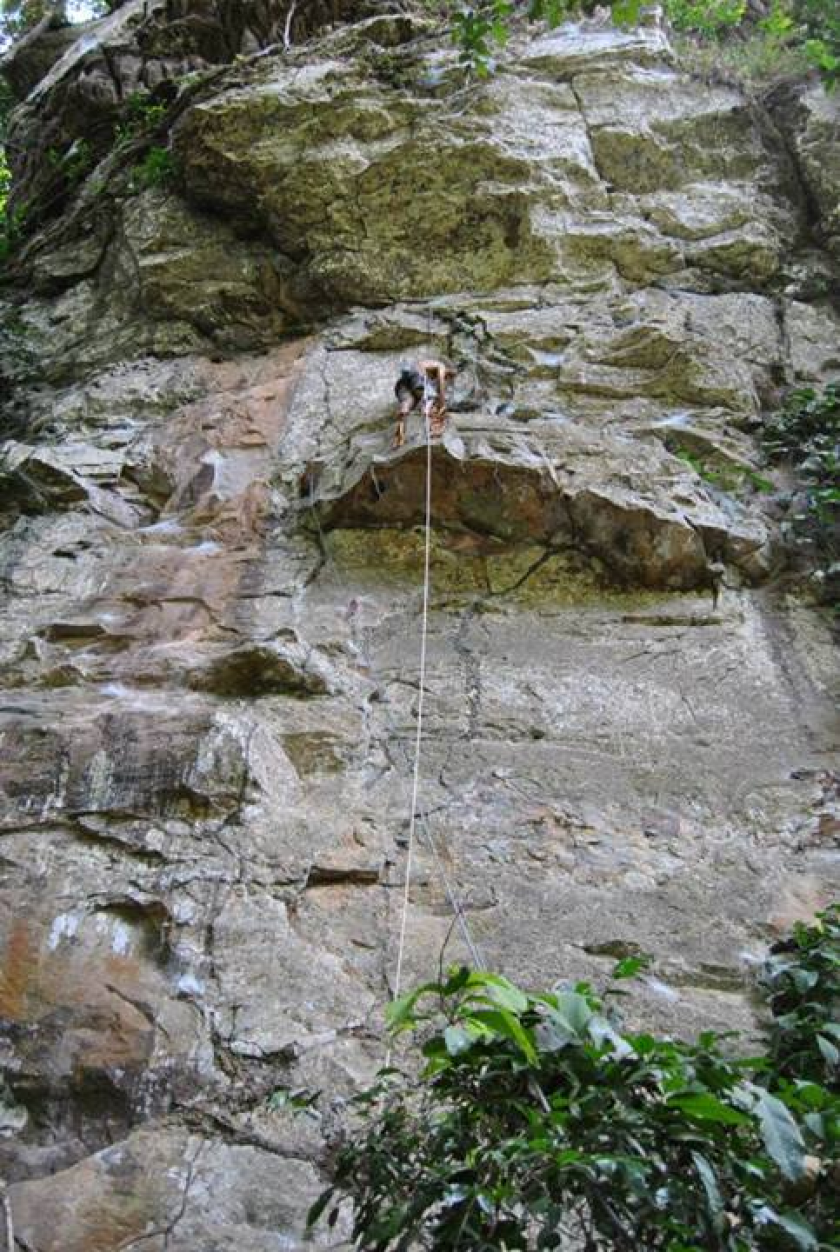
(211, 560)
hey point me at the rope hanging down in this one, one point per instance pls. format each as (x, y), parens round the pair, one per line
(421, 691)
(428, 401)
(415, 817)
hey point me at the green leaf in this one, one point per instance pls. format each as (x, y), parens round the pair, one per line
(704, 1107)
(713, 1195)
(829, 1051)
(458, 977)
(571, 1014)
(631, 966)
(458, 1040)
(796, 1227)
(318, 1207)
(626, 12)
(399, 1014)
(506, 1024)
(500, 991)
(781, 1135)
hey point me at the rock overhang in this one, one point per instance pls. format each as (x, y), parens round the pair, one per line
(625, 504)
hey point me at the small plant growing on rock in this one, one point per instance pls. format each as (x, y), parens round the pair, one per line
(706, 17)
(724, 475)
(73, 164)
(158, 167)
(141, 112)
(12, 227)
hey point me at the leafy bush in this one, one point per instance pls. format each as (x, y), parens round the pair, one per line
(5, 172)
(817, 23)
(5, 182)
(808, 28)
(707, 17)
(537, 1123)
(141, 112)
(11, 231)
(802, 982)
(806, 435)
(19, 16)
(159, 166)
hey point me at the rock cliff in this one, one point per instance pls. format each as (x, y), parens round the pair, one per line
(212, 556)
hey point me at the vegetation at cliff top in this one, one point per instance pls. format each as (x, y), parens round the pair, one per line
(539, 1122)
(19, 16)
(810, 27)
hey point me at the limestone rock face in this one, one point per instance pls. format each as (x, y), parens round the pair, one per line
(212, 557)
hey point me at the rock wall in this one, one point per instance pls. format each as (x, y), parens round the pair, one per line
(212, 555)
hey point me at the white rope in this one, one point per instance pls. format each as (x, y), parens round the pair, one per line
(418, 741)
(429, 397)
(10, 1222)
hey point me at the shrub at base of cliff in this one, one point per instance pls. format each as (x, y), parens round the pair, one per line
(806, 436)
(538, 1123)
(801, 979)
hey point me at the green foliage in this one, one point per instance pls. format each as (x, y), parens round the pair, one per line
(74, 163)
(5, 182)
(12, 227)
(806, 435)
(794, 35)
(158, 167)
(5, 172)
(810, 29)
(801, 979)
(476, 29)
(537, 1122)
(141, 113)
(818, 21)
(707, 17)
(301, 1100)
(19, 16)
(719, 473)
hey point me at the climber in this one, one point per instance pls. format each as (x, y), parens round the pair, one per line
(422, 382)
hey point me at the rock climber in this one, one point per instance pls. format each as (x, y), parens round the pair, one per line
(422, 383)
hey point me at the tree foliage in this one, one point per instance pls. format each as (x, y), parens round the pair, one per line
(5, 172)
(19, 16)
(801, 978)
(538, 1122)
(805, 435)
(813, 25)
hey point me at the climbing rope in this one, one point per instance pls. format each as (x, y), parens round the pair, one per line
(417, 817)
(429, 400)
(421, 691)
(9, 1219)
